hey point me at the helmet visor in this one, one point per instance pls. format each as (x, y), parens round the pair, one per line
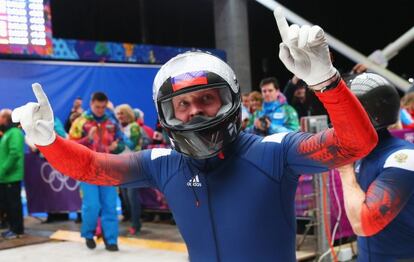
(197, 106)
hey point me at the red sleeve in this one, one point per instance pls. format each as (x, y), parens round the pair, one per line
(352, 136)
(385, 198)
(81, 163)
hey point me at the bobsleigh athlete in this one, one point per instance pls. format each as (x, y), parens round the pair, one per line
(231, 193)
(379, 199)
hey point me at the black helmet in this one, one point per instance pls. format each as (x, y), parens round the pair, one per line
(378, 96)
(201, 75)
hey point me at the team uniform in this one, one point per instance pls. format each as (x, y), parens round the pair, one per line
(387, 177)
(383, 206)
(231, 194)
(239, 207)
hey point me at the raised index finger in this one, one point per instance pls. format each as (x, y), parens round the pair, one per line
(40, 94)
(282, 24)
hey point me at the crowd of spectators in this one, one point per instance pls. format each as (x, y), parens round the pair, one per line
(102, 128)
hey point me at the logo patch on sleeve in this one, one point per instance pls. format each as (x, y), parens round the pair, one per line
(403, 159)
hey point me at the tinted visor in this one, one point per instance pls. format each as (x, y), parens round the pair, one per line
(197, 106)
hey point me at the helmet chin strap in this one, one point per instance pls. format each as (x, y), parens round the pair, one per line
(199, 119)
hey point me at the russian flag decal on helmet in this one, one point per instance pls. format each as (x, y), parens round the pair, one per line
(189, 79)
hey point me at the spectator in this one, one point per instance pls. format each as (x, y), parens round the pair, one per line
(302, 99)
(98, 131)
(406, 120)
(133, 142)
(276, 115)
(75, 112)
(407, 110)
(148, 132)
(11, 174)
(59, 129)
(255, 105)
(110, 111)
(245, 107)
(255, 102)
(159, 138)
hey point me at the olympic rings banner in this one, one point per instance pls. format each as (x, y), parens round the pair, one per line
(47, 190)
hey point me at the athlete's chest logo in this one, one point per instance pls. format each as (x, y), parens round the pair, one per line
(194, 182)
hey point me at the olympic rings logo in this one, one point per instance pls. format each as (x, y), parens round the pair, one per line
(55, 179)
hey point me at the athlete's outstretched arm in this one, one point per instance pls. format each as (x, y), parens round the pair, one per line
(83, 164)
(71, 158)
(372, 211)
(352, 136)
(304, 51)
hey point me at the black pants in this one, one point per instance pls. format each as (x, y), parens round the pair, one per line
(11, 203)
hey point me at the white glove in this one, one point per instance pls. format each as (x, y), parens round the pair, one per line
(304, 51)
(37, 118)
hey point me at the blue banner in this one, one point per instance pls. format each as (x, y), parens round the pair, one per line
(64, 81)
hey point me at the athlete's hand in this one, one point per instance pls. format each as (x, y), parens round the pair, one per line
(36, 119)
(304, 51)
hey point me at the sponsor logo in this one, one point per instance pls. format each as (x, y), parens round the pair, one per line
(194, 182)
(357, 167)
(232, 129)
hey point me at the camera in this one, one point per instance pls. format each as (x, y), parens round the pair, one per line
(263, 122)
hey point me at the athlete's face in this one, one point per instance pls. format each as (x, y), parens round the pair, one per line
(198, 103)
(98, 107)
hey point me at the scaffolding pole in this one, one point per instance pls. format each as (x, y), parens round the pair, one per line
(344, 49)
(391, 50)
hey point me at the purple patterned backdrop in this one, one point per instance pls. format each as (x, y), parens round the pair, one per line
(47, 190)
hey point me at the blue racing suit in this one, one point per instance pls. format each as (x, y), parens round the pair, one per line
(387, 177)
(240, 207)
